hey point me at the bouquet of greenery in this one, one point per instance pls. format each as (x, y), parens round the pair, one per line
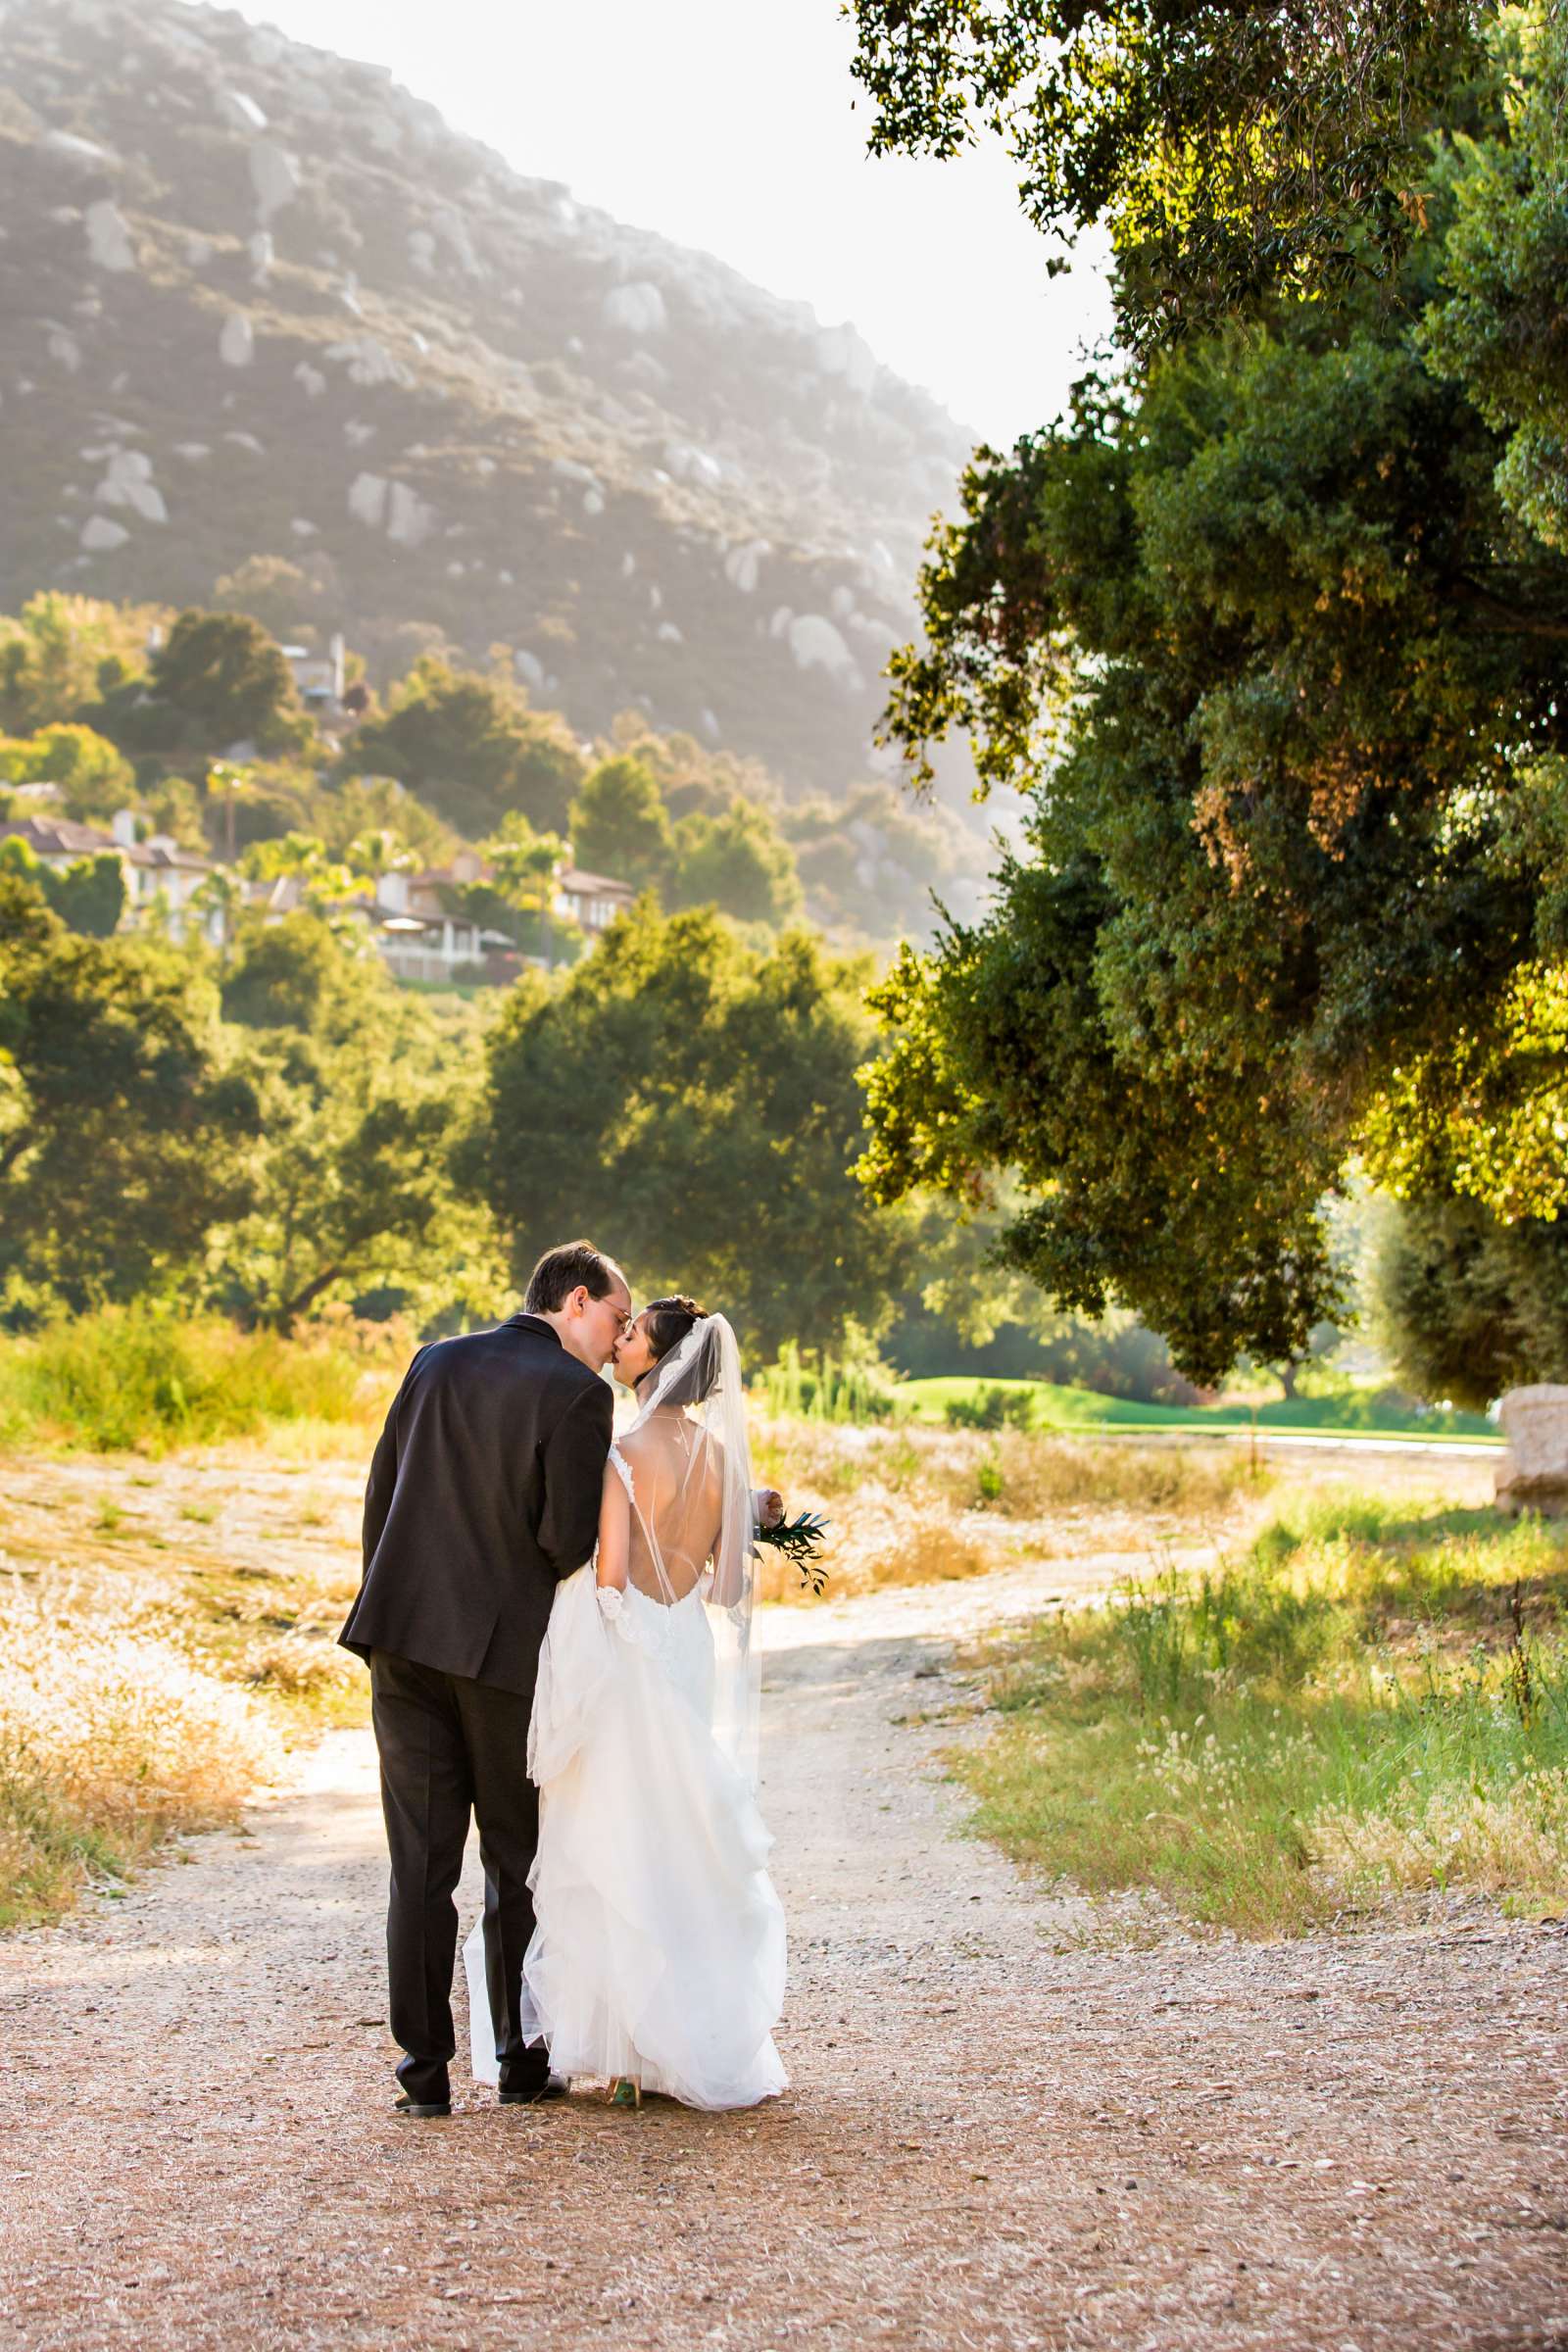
(799, 1540)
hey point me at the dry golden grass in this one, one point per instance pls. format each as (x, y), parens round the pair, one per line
(912, 1505)
(113, 1737)
(165, 1630)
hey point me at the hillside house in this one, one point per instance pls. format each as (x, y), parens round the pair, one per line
(422, 937)
(318, 678)
(591, 900)
(160, 878)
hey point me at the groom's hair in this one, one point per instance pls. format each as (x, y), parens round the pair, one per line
(570, 1266)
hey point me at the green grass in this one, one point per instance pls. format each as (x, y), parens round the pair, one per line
(145, 1379)
(1368, 1412)
(1368, 1700)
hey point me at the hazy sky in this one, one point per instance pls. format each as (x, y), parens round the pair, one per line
(730, 124)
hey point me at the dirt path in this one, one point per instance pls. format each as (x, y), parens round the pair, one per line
(999, 2135)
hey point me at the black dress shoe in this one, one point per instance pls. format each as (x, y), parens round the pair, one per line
(554, 2087)
(406, 2108)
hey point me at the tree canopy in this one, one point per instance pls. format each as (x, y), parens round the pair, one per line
(121, 1131)
(1233, 152)
(675, 1073)
(1281, 673)
(471, 749)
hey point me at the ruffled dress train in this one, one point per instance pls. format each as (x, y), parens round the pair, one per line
(660, 1949)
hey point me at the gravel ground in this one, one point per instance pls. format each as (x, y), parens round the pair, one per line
(1004, 2130)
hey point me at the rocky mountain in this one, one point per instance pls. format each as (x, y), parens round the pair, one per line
(259, 302)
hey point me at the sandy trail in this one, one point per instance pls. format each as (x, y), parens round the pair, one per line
(999, 2135)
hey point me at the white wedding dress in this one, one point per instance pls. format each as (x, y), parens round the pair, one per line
(660, 1952)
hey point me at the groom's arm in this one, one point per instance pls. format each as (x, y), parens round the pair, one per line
(383, 1477)
(574, 1470)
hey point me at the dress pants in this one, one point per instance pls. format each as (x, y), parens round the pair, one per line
(448, 1744)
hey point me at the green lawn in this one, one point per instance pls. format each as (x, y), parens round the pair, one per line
(1370, 1698)
(1367, 1412)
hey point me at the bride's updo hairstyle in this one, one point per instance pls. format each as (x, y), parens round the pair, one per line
(666, 1322)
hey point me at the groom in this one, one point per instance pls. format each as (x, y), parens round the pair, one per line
(483, 1495)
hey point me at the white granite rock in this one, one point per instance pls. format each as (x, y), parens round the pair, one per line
(593, 501)
(687, 463)
(839, 352)
(128, 483)
(236, 345)
(368, 362)
(637, 309)
(99, 534)
(453, 231)
(668, 634)
(817, 644)
(529, 668)
(192, 451)
(260, 250)
(86, 154)
(1533, 1473)
(239, 112)
(62, 346)
(743, 565)
(410, 518)
(242, 440)
(368, 499)
(274, 176)
(300, 528)
(109, 243)
(310, 379)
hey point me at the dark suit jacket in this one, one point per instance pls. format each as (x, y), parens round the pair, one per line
(483, 1493)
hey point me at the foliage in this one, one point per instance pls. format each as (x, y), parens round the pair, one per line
(1233, 152)
(873, 861)
(88, 895)
(737, 862)
(1363, 1702)
(849, 1387)
(327, 886)
(351, 1182)
(281, 595)
(91, 778)
(471, 747)
(731, 856)
(122, 1130)
(148, 1376)
(1501, 332)
(61, 653)
(1465, 1305)
(992, 1408)
(1257, 639)
(219, 679)
(675, 1074)
(619, 824)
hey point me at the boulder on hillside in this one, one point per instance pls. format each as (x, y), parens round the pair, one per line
(1534, 1474)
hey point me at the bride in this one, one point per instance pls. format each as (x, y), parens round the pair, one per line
(657, 1960)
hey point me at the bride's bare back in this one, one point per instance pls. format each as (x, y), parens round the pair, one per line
(676, 1505)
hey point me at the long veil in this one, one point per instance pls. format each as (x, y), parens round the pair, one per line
(686, 1463)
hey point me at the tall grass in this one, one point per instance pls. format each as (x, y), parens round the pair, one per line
(1364, 1701)
(147, 1378)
